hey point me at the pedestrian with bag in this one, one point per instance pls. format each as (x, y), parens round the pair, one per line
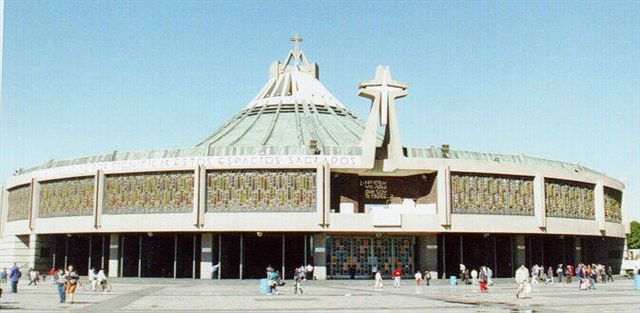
(14, 277)
(72, 282)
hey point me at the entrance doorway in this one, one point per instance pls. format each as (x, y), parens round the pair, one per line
(247, 256)
(260, 252)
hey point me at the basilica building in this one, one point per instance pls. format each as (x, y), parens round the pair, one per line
(296, 178)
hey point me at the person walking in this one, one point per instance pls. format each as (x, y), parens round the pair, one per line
(14, 277)
(474, 277)
(61, 283)
(489, 276)
(534, 274)
(483, 279)
(352, 271)
(549, 276)
(397, 276)
(378, 279)
(591, 275)
(33, 277)
(3, 276)
(609, 273)
(102, 279)
(214, 270)
(522, 279)
(569, 272)
(298, 277)
(418, 277)
(72, 282)
(560, 272)
(93, 278)
(53, 272)
(273, 278)
(309, 270)
(427, 277)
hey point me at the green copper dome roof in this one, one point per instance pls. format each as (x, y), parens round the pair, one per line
(292, 112)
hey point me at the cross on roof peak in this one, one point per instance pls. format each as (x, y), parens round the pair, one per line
(296, 39)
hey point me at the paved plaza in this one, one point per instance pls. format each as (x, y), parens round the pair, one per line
(167, 295)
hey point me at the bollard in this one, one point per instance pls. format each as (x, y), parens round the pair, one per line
(452, 280)
(264, 286)
(637, 279)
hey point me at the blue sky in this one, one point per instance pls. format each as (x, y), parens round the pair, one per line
(557, 80)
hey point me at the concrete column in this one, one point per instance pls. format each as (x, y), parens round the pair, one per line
(114, 258)
(34, 250)
(578, 250)
(539, 201)
(443, 180)
(428, 254)
(35, 203)
(206, 256)
(98, 199)
(319, 256)
(520, 250)
(598, 199)
(625, 211)
(196, 197)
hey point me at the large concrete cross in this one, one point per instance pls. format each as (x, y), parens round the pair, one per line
(383, 90)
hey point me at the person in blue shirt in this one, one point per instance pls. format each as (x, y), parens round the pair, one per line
(14, 277)
(273, 277)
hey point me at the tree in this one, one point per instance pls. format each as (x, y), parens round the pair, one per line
(633, 240)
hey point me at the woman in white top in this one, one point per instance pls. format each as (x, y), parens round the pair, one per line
(418, 277)
(378, 278)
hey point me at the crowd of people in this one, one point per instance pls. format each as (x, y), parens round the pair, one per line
(483, 277)
(66, 281)
(587, 276)
(275, 280)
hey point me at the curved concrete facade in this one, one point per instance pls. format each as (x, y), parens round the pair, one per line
(319, 186)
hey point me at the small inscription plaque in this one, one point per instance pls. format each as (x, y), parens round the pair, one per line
(375, 189)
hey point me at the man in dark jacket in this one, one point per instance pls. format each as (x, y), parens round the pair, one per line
(14, 277)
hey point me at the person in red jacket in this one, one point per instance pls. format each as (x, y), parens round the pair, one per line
(397, 275)
(571, 271)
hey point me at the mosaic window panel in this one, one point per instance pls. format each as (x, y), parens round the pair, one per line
(149, 193)
(612, 205)
(568, 199)
(384, 253)
(492, 194)
(19, 203)
(261, 191)
(68, 197)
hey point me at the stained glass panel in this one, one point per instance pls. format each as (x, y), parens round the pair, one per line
(148, 193)
(568, 199)
(365, 253)
(261, 191)
(19, 203)
(68, 197)
(612, 205)
(492, 194)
